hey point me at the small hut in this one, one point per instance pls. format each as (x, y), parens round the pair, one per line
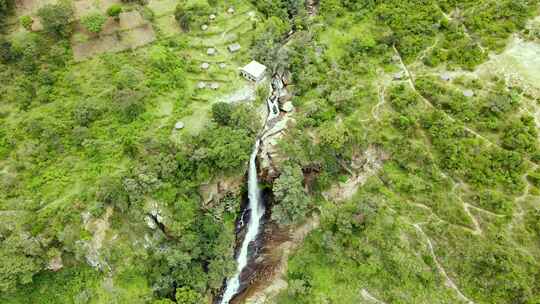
(253, 71)
(233, 48)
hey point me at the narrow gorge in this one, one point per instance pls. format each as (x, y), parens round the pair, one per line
(255, 208)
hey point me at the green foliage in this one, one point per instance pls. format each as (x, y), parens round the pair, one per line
(292, 202)
(185, 295)
(221, 113)
(21, 258)
(239, 116)
(56, 19)
(26, 22)
(265, 46)
(188, 13)
(114, 11)
(94, 22)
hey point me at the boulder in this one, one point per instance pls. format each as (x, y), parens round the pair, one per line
(201, 85)
(446, 77)
(205, 66)
(214, 86)
(211, 51)
(468, 93)
(179, 125)
(287, 107)
(204, 27)
(230, 10)
(399, 75)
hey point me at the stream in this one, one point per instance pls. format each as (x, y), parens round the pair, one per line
(255, 205)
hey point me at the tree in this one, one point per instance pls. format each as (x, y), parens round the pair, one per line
(185, 295)
(94, 22)
(292, 200)
(56, 19)
(187, 14)
(114, 11)
(5, 7)
(222, 112)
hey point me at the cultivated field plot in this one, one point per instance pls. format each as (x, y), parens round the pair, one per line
(212, 77)
(131, 32)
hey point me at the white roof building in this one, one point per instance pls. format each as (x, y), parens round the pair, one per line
(253, 71)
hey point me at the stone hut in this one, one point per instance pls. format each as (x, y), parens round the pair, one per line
(253, 71)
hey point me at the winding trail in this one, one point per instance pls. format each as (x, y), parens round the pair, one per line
(448, 280)
(366, 295)
(410, 80)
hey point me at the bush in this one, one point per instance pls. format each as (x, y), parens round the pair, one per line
(94, 22)
(56, 19)
(114, 11)
(187, 14)
(289, 192)
(26, 22)
(221, 113)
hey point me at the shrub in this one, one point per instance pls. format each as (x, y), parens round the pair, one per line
(94, 22)
(221, 113)
(56, 19)
(26, 22)
(187, 14)
(114, 11)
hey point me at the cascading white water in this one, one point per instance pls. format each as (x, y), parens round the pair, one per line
(254, 195)
(257, 212)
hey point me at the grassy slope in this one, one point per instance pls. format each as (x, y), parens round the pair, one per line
(61, 183)
(487, 248)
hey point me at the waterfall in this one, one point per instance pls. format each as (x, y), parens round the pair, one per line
(254, 195)
(257, 211)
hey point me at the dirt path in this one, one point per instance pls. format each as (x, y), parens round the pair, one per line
(312, 7)
(367, 296)
(410, 80)
(375, 110)
(448, 281)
